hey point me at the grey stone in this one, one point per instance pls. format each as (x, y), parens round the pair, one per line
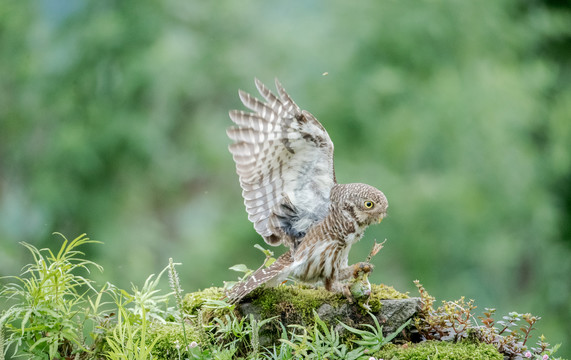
(394, 313)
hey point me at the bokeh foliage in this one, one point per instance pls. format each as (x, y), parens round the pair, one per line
(113, 117)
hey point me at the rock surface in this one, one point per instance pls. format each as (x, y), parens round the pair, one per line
(392, 314)
(299, 308)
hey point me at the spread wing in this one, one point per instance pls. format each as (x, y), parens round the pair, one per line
(284, 158)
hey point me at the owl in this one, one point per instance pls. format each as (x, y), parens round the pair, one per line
(284, 161)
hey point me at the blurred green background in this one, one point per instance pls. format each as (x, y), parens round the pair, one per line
(113, 117)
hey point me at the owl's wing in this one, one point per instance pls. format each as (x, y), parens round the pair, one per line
(284, 158)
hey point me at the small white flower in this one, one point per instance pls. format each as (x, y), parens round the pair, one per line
(545, 357)
(527, 354)
(193, 345)
(176, 344)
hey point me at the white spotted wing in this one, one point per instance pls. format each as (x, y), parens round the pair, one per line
(284, 159)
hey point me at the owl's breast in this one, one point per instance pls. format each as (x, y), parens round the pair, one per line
(319, 260)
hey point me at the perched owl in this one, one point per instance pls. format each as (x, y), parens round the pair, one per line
(284, 159)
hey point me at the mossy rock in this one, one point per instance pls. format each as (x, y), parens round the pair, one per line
(303, 300)
(296, 304)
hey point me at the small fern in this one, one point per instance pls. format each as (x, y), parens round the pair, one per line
(373, 339)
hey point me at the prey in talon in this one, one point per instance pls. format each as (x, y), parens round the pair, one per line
(359, 288)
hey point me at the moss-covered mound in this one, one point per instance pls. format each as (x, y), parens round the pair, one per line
(297, 303)
(287, 303)
(295, 299)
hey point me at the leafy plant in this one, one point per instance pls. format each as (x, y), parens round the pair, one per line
(54, 306)
(282, 352)
(512, 335)
(374, 339)
(128, 339)
(320, 342)
(235, 333)
(148, 301)
(51, 307)
(454, 320)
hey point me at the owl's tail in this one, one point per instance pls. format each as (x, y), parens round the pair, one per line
(258, 278)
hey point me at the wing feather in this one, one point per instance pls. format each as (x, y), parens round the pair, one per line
(289, 104)
(284, 160)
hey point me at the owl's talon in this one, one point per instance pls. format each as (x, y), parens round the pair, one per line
(348, 295)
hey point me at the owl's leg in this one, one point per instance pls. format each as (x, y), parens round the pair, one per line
(354, 283)
(341, 283)
(331, 284)
(339, 287)
(336, 284)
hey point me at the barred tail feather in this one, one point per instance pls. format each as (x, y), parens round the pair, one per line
(258, 278)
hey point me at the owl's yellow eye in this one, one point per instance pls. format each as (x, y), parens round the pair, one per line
(369, 204)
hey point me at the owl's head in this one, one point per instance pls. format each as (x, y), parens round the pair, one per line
(365, 204)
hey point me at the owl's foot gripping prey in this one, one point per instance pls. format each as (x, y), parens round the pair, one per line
(358, 289)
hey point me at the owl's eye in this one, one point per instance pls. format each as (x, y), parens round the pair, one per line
(369, 204)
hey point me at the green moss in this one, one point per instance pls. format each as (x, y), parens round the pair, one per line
(169, 335)
(300, 301)
(194, 301)
(302, 297)
(193, 304)
(295, 300)
(439, 350)
(383, 292)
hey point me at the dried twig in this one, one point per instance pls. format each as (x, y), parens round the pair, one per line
(376, 248)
